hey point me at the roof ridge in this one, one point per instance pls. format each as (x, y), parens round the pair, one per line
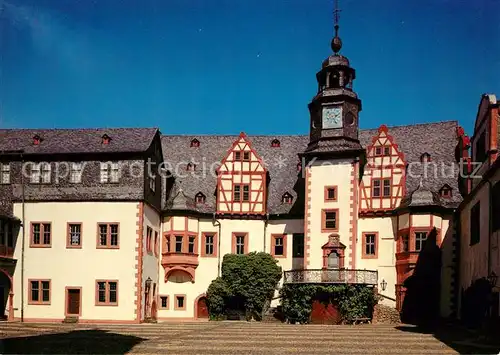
(75, 129)
(413, 125)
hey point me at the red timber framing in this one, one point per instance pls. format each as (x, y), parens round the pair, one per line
(241, 180)
(384, 162)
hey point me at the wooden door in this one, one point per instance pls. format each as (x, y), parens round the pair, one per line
(202, 308)
(73, 301)
(324, 313)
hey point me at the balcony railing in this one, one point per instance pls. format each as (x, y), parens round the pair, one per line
(333, 276)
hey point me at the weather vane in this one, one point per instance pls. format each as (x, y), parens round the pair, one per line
(336, 17)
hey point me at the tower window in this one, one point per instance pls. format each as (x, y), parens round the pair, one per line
(195, 143)
(329, 220)
(420, 238)
(275, 143)
(330, 193)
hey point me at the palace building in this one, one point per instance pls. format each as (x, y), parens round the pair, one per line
(124, 225)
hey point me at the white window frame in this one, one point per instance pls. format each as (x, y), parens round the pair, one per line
(110, 172)
(35, 173)
(4, 173)
(75, 175)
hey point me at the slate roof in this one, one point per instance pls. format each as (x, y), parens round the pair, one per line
(64, 141)
(437, 139)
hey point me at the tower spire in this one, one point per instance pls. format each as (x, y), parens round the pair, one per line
(336, 41)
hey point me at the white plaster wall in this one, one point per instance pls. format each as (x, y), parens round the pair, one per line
(386, 259)
(150, 262)
(79, 267)
(322, 174)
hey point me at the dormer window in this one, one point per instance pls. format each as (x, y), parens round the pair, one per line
(105, 139)
(445, 191)
(190, 167)
(425, 158)
(200, 198)
(246, 156)
(238, 156)
(37, 139)
(287, 198)
(195, 143)
(378, 151)
(387, 151)
(275, 143)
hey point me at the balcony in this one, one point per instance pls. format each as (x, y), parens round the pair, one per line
(180, 263)
(331, 276)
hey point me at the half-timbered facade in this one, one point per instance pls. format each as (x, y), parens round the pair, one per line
(127, 225)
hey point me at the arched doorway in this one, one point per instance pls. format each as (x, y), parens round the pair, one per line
(6, 295)
(201, 310)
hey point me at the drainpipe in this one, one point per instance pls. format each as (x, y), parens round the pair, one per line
(490, 223)
(216, 222)
(23, 236)
(265, 230)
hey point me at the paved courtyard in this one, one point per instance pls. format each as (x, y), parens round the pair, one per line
(224, 338)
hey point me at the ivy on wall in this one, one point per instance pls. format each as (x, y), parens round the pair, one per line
(247, 283)
(353, 301)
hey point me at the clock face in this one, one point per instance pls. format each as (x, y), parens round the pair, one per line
(332, 117)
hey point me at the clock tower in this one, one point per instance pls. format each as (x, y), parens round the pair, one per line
(335, 109)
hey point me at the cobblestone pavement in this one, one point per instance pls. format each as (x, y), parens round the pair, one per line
(220, 338)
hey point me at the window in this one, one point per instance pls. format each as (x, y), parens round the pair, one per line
(149, 239)
(279, 245)
(180, 302)
(4, 173)
(191, 167)
(237, 192)
(376, 188)
(330, 193)
(370, 245)
(445, 191)
(240, 242)
(387, 187)
(40, 173)
(195, 143)
(405, 243)
(74, 235)
(495, 208)
(75, 174)
(110, 172)
(387, 151)
(163, 302)
(178, 243)
(37, 139)
(246, 156)
(191, 245)
(275, 143)
(167, 243)
(480, 151)
(237, 155)
(425, 158)
(209, 241)
(420, 238)
(39, 292)
(156, 243)
(298, 246)
(475, 227)
(329, 220)
(105, 139)
(6, 234)
(108, 235)
(107, 293)
(287, 198)
(200, 198)
(40, 235)
(378, 151)
(152, 182)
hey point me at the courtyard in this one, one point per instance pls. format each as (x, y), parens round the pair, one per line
(230, 338)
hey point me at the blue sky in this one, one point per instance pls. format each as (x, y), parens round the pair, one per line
(225, 66)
